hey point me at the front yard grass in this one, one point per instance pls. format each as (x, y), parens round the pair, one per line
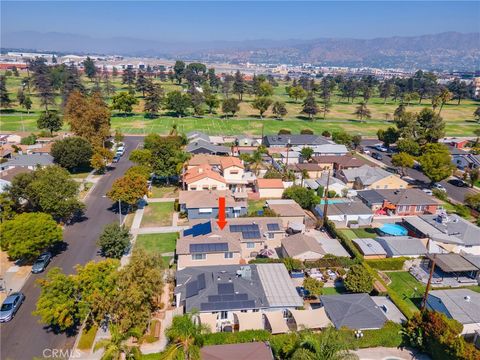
(157, 243)
(87, 338)
(365, 233)
(404, 284)
(157, 214)
(163, 191)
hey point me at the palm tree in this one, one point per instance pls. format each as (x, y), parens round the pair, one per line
(256, 160)
(305, 175)
(329, 345)
(185, 338)
(115, 347)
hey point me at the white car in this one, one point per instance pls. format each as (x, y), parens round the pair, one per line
(381, 148)
(427, 191)
(439, 186)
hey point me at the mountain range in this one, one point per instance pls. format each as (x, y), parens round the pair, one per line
(444, 51)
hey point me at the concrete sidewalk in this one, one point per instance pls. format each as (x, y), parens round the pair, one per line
(159, 229)
(160, 200)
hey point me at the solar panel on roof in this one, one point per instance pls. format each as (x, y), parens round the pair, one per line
(245, 227)
(227, 305)
(199, 229)
(191, 289)
(201, 281)
(209, 247)
(273, 227)
(251, 235)
(225, 288)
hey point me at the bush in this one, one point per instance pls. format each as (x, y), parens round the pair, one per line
(221, 338)
(114, 241)
(359, 280)
(72, 153)
(304, 197)
(313, 285)
(387, 264)
(439, 194)
(344, 240)
(332, 261)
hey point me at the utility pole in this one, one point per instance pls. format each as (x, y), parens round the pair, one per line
(120, 211)
(288, 148)
(427, 290)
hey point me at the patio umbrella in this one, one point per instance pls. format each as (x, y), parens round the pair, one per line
(267, 252)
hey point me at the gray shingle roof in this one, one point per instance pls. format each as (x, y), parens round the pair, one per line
(29, 160)
(402, 245)
(366, 174)
(348, 208)
(369, 247)
(355, 311)
(282, 140)
(370, 197)
(210, 148)
(462, 305)
(455, 228)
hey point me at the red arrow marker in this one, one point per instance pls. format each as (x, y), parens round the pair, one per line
(221, 213)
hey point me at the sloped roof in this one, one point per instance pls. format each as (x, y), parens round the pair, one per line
(407, 197)
(201, 159)
(456, 228)
(285, 207)
(298, 244)
(462, 305)
(369, 247)
(348, 208)
(9, 174)
(452, 262)
(282, 140)
(366, 174)
(402, 245)
(202, 144)
(229, 161)
(243, 351)
(29, 160)
(355, 311)
(278, 286)
(201, 172)
(270, 183)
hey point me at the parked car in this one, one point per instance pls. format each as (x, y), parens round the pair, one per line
(458, 182)
(304, 293)
(377, 156)
(381, 148)
(116, 159)
(121, 150)
(10, 306)
(41, 263)
(427, 191)
(439, 186)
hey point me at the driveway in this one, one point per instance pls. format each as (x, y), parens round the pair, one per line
(24, 338)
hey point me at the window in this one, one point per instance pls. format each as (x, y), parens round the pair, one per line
(233, 172)
(214, 187)
(271, 235)
(199, 256)
(228, 255)
(205, 187)
(420, 208)
(224, 315)
(205, 210)
(250, 245)
(193, 188)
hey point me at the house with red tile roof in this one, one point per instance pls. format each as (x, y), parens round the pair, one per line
(269, 188)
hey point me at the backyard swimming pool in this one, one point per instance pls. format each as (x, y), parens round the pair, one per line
(332, 201)
(393, 230)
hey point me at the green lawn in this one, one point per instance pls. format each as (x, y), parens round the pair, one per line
(254, 206)
(158, 243)
(404, 284)
(163, 191)
(157, 214)
(365, 233)
(334, 290)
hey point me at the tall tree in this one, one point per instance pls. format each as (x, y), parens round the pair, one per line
(179, 71)
(262, 103)
(167, 154)
(50, 120)
(431, 124)
(89, 117)
(89, 68)
(128, 77)
(4, 97)
(72, 152)
(42, 81)
(230, 106)
(459, 89)
(279, 109)
(386, 90)
(403, 161)
(28, 234)
(114, 240)
(389, 136)
(310, 106)
(153, 99)
(436, 162)
(124, 102)
(296, 92)
(128, 189)
(362, 111)
(178, 103)
(359, 280)
(239, 85)
(141, 83)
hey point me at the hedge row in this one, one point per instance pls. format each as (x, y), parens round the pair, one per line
(387, 264)
(332, 262)
(221, 338)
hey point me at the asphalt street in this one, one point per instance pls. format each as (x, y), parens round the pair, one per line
(24, 338)
(454, 192)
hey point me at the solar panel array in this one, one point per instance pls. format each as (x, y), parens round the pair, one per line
(227, 305)
(208, 247)
(249, 231)
(192, 289)
(227, 297)
(199, 229)
(273, 227)
(225, 288)
(201, 281)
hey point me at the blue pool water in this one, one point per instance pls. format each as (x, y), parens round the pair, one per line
(393, 229)
(331, 201)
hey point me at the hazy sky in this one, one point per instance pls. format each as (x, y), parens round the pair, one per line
(230, 20)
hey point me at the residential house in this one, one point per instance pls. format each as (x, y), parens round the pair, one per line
(400, 202)
(464, 160)
(398, 246)
(286, 140)
(239, 241)
(453, 269)
(238, 297)
(330, 149)
(204, 178)
(449, 231)
(7, 176)
(204, 204)
(202, 159)
(290, 157)
(233, 172)
(333, 183)
(10, 139)
(354, 311)
(302, 247)
(458, 143)
(269, 188)
(367, 177)
(27, 161)
(347, 213)
(462, 305)
(312, 170)
(247, 141)
(288, 210)
(369, 248)
(245, 351)
(338, 162)
(205, 147)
